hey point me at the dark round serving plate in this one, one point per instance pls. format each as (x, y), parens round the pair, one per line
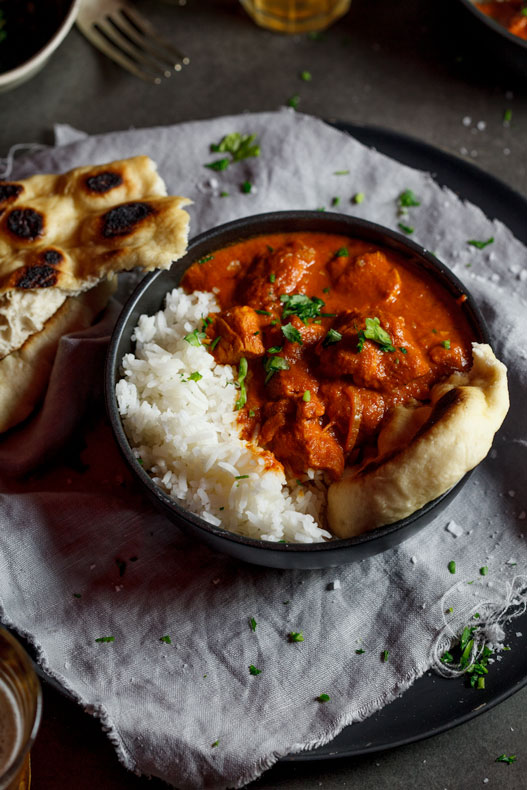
(149, 297)
(434, 704)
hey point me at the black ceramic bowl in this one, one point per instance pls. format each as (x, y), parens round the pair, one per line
(496, 45)
(149, 297)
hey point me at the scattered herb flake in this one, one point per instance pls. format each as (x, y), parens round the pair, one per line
(306, 397)
(166, 639)
(246, 187)
(239, 146)
(408, 198)
(262, 312)
(274, 364)
(507, 115)
(341, 172)
(446, 344)
(253, 624)
(242, 373)
(452, 566)
(447, 658)
(360, 651)
(325, 290)
(377, 334)
(105, 639)
(481, 244)
(504, 759)
(195, 376)
(295, 636)
(403, 350)
(194, 338)
(253, 670)
(335, 201)
(342, 253)
(294, 101)
(323, 698)
(216, 743)
(224, 194)
(272, 278)
(332, 337)
(306, 76)
(215, 342)
(292, 334)
(274, 349)
(301, 306)
(405, 228)
(241, 477)
(219, 164)
(484, 570)
(251, 412)
(385, 654)
(206, 259)
(358, 198)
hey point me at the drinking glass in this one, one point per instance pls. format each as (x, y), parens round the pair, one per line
(295, 16)
(20, 711)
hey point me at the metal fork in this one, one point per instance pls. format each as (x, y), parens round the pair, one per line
(129, 39)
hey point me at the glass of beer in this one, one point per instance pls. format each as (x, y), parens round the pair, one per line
(20, 711)
(295, 16)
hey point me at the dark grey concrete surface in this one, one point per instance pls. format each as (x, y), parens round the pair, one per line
(410, 66)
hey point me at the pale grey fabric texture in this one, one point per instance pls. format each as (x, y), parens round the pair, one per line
(67, 531)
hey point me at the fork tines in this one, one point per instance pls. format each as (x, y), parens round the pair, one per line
(130, 40)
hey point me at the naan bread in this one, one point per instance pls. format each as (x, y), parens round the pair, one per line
(424, 450)
(24, 373)
(60, 236)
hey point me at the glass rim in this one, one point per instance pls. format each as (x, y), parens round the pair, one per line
(29, 740)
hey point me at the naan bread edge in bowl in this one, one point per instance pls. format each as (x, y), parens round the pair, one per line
(424, 450)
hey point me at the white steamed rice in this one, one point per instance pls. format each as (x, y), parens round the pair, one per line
(185, 432)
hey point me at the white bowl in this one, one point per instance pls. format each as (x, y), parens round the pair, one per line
(13, 77)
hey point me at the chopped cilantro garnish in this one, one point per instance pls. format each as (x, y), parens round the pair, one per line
(408, 198)
(484, 570)
(294, 101)
(205, 259)
(403, 350)
(325, 290)
(242, 373)
(262, 312)
(296, 636)
(306, 397)
(105, 639)
(215, 342)
(252, 623)
(323, 698)
(377, 334)
(306, 76)
(446, 344)
(239, 146)
(452, 566)
(253, 670)
(360, 651)
(504, 759)
(385, 654)
(481, 244)
(292, 334)
(301, 306)
(195, 376)
(405, 228)
(272, 278)
(194, 338)
(342, 253)
(507, 115)
(215, 742)
(251, 412)
(274, 349)
(274, 364)
(335, 201)
(224, 194)
(246, 187)
(358, 197)
(166, 639)
(341, 172)
(219, 164)
(241, 477)
(332, 337)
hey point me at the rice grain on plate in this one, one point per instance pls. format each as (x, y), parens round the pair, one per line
(177, 407)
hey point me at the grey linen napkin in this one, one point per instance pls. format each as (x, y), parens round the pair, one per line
(84, 556)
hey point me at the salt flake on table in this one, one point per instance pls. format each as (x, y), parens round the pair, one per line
(454, 529)
(467, 120)
(413, 560)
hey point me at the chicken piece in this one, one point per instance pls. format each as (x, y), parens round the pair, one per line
(306, 445)
(285, 266)
(292, 383)
(369, 274)
(355, 412)
(275, 415)
(239, 330)
(373, 367)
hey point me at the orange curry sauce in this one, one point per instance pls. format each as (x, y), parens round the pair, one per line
(318, 389)
(511, 14)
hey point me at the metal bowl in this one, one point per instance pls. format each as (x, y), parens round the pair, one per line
(148, 298)
(24, 71)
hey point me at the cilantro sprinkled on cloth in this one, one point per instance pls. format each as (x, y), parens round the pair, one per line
(452, 566)
(377, 334)
(239, 146)
(166, 639)
(294, 101)
(219, 164)
(335, 201)
(481, 244)
(216, 743)
(408, 198)
(341, 172)
(323, 698)
(105, 639)
(484, 570)
(360, 651)
(358, 197)
(253, 670)
(405, 228)
(246, 187)
(295, 636)
(385, 654)
(306, 76)
(253, 624)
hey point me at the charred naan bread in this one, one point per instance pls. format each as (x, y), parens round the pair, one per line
(60, 236)
(424, 450)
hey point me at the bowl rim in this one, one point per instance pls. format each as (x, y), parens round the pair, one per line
(248, 227)
(492, 24)
(38, 57)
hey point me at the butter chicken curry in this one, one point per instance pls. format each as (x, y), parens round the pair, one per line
(327, 335)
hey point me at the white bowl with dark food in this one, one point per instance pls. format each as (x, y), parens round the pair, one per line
(303, 389)
(29, 33)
